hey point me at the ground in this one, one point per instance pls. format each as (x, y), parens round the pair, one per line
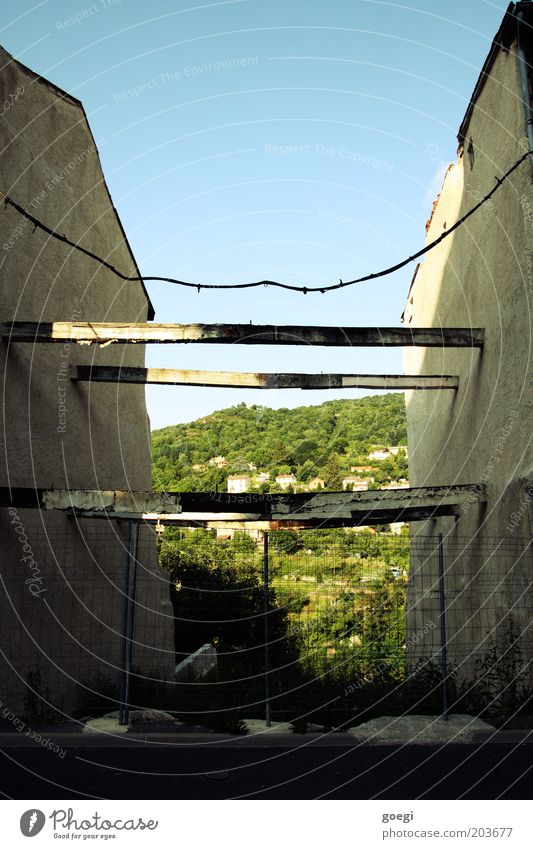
(309, 767)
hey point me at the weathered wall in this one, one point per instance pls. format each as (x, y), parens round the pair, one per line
(56, 433)
(481, 276)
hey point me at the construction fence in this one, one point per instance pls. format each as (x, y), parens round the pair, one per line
(327, 627)
(337, 626)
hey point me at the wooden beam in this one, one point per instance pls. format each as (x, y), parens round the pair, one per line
(330, 505)
(246, 334)
(250, 380)
(99, 501)
(365, 518)
(251, 523)
(324, 509)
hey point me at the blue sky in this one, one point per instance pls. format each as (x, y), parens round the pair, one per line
(243, 140)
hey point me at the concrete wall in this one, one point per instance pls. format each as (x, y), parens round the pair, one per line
(56, 433)
(481, 276)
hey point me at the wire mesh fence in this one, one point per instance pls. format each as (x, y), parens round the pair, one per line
(336, 626)
(319, 626)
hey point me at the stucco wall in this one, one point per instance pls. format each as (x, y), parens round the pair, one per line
(56, 433)
(481, 276)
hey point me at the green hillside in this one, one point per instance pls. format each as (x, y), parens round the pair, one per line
(323, 441)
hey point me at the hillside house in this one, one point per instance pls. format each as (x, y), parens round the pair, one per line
(285, 481)
(239, 483)
(395, 450)
(379, 454)
(353, 483)
(219, 462)
(401, 484)
(315, 483)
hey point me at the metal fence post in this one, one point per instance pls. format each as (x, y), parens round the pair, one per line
(443, 657)
(129, 622)
(266, 605)
(125, 611)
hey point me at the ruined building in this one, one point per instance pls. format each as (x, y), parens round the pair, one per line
(480, 276)
(61, 577)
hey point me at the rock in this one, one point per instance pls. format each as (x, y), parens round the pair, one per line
(198, 664)
(147, 720)
(257, 726)
(151, 717)
(107, 724)
(420, 730)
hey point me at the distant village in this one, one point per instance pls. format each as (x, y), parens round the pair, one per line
(360, 478)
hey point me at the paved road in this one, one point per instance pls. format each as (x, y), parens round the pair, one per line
(193, 769)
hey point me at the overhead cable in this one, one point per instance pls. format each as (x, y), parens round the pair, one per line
(293, 288)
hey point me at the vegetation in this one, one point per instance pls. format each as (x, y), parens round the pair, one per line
(344, 593)
(336, 630)
(217, 593)
(323, 441)
(336, 600)
(336, 608)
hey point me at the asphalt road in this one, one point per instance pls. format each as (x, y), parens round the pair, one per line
(184, 769)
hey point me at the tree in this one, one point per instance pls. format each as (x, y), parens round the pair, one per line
(333, 474)
(218, 596)
(302, 439)
(286, 542)
(304, 451)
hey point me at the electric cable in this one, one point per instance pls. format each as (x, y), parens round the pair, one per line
(304, 289)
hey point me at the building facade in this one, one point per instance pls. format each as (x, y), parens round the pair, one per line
(480, 276)
(61, 593)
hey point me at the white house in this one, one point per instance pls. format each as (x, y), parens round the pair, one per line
(379, 454)
(354, 483)
(395, 450)
(239, 483)
(401, 484)
(285, 481)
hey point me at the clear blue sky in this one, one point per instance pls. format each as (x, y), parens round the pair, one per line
(242, 140)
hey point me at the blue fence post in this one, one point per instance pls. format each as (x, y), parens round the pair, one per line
(266, 604)
(443, 656)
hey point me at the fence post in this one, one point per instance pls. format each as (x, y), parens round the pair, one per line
(129, 619)
(125, 609)
(443, 657)
(266, 604)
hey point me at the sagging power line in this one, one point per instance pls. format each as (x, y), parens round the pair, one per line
(303, 289)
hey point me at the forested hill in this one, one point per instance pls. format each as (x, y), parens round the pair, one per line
(324, 441)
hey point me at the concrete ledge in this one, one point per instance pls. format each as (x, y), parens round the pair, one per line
(72, 741)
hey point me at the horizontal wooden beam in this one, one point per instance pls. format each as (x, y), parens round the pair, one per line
(365, 518)
(329, 505)
(104, 333)
(323, 509)
(244, 521)
(100, 501)
(250, 522)
(251, 380)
